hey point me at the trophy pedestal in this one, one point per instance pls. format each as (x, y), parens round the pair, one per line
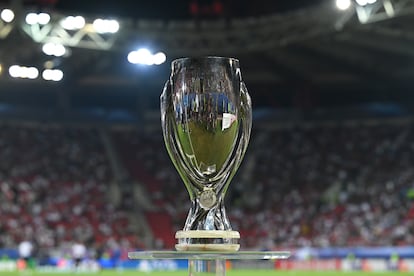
(207, 240)
(208, 262)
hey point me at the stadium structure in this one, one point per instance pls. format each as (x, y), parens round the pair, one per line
(328, 174)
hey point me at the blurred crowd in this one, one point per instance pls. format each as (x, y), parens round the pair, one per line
(347, 184)
(324, 184)
(54, 183)
(329, 185)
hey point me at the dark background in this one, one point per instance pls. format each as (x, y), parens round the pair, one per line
(300, 56)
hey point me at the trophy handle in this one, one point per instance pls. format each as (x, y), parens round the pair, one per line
(173, 149)
(245, 115)
(246, 112)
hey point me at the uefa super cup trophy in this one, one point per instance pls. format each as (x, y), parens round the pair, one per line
(206, 119)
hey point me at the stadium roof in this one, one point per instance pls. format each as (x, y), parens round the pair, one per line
(303, 54)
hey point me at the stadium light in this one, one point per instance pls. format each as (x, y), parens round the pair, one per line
(31, 73)
(343, 4)
(14, 71)
(53, 49)
(37, 18)
(52, 74)
(141, 56)
(159, 58)
(1, 68)
(105, 26)
(73, 22)
(145, 57)
(7, 15)
(23, 72)
(31, 18)
(363, 3)
(43, 18)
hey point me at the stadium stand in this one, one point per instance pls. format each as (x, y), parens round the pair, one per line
(54, 183)
(324, 184)
(317, 184)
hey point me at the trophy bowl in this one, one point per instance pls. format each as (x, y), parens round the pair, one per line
(206, 120)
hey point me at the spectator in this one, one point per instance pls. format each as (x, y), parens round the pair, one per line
(78, 254)
(25, 249)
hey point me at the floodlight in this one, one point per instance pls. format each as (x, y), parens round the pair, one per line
(132, 57)
(31, 18)
(362, 2)
(53, 49)
(343, 4)
(23, 72)
(98, 25)
(31, 72)
(145, 57)
(60, 50)
(141, 56)
(79, 22)
(52, 74)
(37, 18)
(57, 75)
(14, 71)
(105, 25)
(73, 22)
(113, 26)
(159, 58)
(43, 18)
(7, 15)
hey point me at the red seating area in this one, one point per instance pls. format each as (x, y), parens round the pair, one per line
(161, 225)
(144, 158)
(53, 183)
(136, 152)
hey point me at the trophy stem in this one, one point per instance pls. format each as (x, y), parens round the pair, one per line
(207, 267)
(207, 212)
(207, 229)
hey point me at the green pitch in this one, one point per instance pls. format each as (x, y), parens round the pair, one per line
(183, 273)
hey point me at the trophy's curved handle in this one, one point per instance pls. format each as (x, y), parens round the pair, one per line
(169, 132)
(245, 115)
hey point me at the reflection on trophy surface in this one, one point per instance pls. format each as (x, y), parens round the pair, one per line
(206, 121)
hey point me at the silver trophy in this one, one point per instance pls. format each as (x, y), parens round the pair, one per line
(206, 119)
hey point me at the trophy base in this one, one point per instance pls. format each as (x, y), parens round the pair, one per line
(207, 240)
(203, 263)
(208, 247)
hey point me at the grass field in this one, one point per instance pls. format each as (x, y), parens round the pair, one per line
(183, 273)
